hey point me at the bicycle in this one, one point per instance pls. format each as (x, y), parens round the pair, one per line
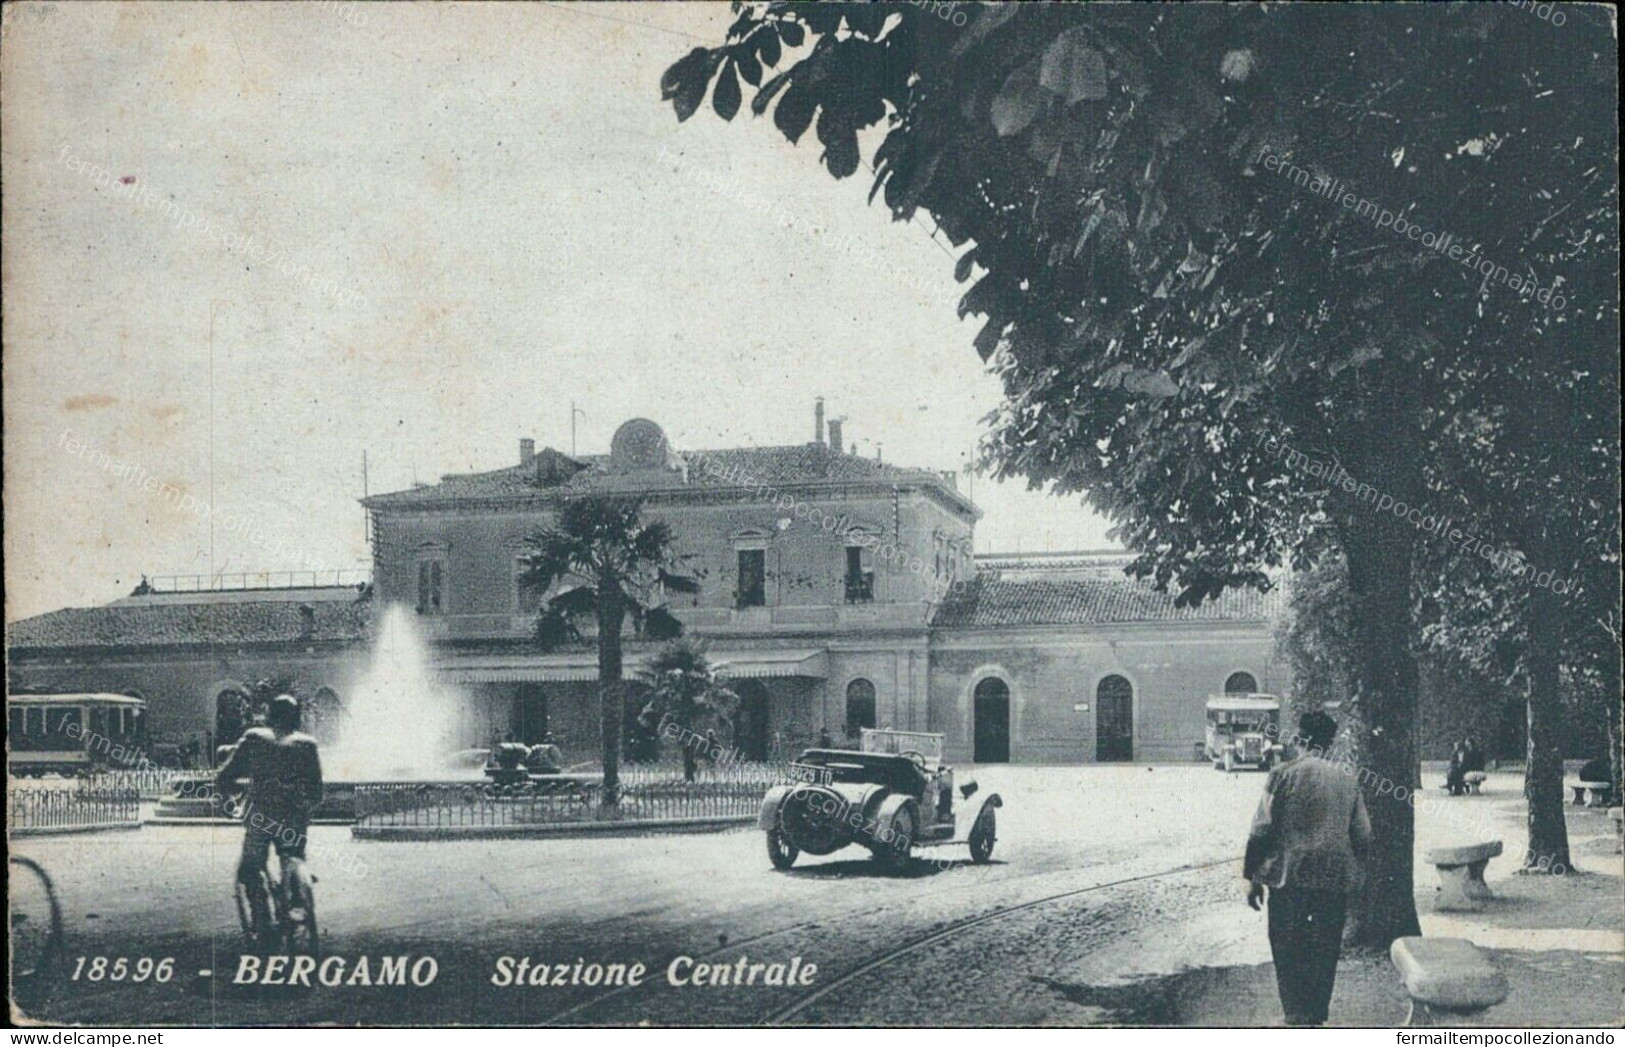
(293, 910)
(36, 931)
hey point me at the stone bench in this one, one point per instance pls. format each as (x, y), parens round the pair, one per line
(1461, 876)
(1589, 794)
(1474, 780)
(1446, 975)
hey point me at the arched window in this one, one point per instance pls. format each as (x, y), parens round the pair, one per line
(1241, 683)
(860, 706)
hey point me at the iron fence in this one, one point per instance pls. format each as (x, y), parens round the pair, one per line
(35, 809)
(646, 794)
(148, 783)
(222, 581)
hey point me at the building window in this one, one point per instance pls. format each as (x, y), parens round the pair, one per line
(752, 577)
(860, 583)
(431, 587)
(527, 598)
(1241, 683)
(860, 706)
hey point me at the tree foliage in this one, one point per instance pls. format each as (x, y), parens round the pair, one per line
(1179, 223)
(603, 561)
(687, 691)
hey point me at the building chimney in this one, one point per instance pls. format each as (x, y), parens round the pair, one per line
(527, 450)
(818, 420)
(835, 435)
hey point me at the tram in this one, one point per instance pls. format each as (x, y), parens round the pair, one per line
(72, 734)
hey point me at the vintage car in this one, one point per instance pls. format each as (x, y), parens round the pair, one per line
(890, 795)
(1243, 730)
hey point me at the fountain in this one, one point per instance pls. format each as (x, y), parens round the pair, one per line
(400, 722)
(400, 725)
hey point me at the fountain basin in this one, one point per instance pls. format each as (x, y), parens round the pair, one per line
(194, 799)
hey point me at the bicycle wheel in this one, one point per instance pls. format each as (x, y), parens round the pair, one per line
(36, 931)
(299, 932)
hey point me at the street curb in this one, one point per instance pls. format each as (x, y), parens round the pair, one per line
(555, 831)
(63, 830)
(174, 820)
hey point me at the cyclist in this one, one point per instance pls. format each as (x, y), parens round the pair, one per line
(284, 772)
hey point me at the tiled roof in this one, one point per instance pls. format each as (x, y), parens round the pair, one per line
(272, 620)
(797, 463)
(991, 600)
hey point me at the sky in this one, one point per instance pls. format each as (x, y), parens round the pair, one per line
(246, 245)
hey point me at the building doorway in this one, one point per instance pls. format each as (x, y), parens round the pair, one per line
(527, 715)
(860, 707)
(753, 722)
(1114, 720)
(231, 717)
(324, 716)
(991, 716)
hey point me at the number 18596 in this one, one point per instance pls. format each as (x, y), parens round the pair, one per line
(121, 969)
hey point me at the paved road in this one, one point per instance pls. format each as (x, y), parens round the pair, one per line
(1125, 871)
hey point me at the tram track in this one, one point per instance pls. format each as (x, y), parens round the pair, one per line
(884, 958)
(777, 932)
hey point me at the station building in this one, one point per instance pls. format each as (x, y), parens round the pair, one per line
(838, 591)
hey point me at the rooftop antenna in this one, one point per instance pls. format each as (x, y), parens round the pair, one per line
(212, 304)
(366, 520)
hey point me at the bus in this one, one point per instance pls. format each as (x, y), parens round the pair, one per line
(72, 733)
(1244, 730)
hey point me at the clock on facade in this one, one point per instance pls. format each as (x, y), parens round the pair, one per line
(638, 444)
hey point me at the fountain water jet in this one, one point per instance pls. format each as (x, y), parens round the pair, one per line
(400, 721)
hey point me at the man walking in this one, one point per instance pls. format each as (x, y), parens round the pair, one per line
(1308, 839)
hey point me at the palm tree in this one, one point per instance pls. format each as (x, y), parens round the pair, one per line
(602, 560)
(687, 690)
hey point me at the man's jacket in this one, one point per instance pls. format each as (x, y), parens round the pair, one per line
(285, 773)
(1311, 829)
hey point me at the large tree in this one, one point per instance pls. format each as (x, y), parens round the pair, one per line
(1181, 222)
(602, 561)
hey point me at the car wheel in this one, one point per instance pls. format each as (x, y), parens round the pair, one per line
(982, 836)
(781, 852)
(893, 853)
(1229, 760)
